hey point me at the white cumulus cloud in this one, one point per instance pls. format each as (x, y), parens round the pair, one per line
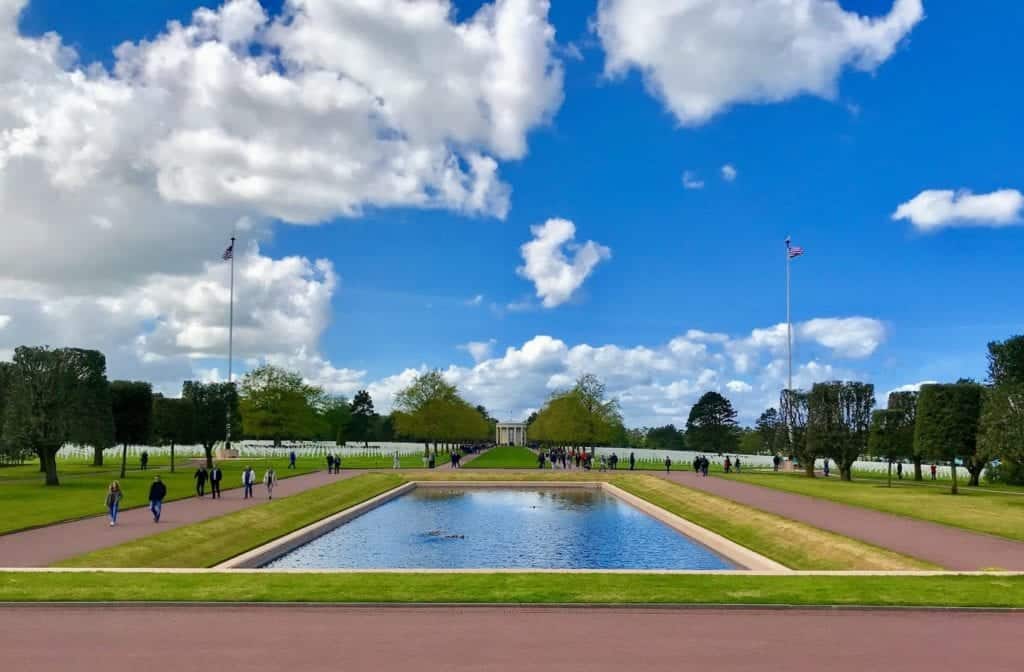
(555, 275)
(935, 209)
(729, 172)
(701, 56)
(691, 181)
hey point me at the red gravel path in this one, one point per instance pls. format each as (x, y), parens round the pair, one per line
(947, 547)
(47, 545)
(271, 639)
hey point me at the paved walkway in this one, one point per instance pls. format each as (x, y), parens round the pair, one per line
(945, 546)
(269, 639)
(47, 545)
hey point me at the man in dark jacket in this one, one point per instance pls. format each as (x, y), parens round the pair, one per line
(215, 478)
(200, 477)
(157, 492)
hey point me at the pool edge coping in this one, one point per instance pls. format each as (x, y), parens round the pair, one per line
(745, 558)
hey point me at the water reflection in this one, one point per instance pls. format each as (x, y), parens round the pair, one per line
(502, 527)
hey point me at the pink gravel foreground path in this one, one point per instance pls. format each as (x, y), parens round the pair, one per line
(945, 546)
(482, 639)
(47, 545)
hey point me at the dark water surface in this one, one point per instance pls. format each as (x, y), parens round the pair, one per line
(499, 527)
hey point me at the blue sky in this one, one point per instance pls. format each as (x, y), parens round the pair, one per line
(942, 112)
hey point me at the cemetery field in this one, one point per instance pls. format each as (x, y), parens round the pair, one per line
(25, 502)
(208, 543)
(993, 511)
(977, 591)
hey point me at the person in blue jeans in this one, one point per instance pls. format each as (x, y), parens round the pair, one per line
(157, 492)
(248, 480)
(113, 502)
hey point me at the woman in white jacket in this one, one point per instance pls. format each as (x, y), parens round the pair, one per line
(270, 480)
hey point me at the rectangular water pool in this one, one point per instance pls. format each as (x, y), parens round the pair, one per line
(530, 528)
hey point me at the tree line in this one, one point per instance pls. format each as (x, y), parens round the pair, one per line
(977, 425)
(50, 397)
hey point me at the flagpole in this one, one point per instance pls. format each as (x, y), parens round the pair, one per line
(231, 334)
(789, 323)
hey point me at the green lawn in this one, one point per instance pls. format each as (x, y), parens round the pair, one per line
(212, 541)
(993, 512)
(578, 587)
(505, 457)
(25, 502)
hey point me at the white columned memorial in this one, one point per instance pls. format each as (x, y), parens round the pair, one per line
(511, 434)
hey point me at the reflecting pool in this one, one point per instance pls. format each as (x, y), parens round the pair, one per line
(533, 528)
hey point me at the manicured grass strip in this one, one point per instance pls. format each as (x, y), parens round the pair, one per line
(571, 588)
(505, 457)
(212, 541)
(26, 503)
(795, 545)
(992, 512)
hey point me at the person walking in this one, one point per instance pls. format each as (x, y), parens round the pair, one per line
(737, 465)
(668, 464)
(899, 470)
(144, 460)
(330, 463)
(113, 502)
(396, 461)
(337, 463)
(632, 461)
(934, 469)
(157, 492)
(728, 464)
(248, 480)
(291, 460)
(200, 477)
(216, 476)
(270, 480)
(826, 467)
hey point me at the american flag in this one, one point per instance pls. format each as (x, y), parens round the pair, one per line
(795, 252)
(230, 252)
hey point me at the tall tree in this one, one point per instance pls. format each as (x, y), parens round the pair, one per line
(947, 423)
(336, 417)
(8, 451)
(362, 414)
(50, 401)
(1006, 361)
(213, 405)
(173, 423)
(666, 438)
(888, 437)
(132, 403)
(277, 404)
(1001, 430)
(578, 417)
(838, 421)
(906, 403)
(767, 428)
(711, 426)
(793, 409)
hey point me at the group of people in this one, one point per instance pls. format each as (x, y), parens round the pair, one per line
(333, 463)
(214, 475)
